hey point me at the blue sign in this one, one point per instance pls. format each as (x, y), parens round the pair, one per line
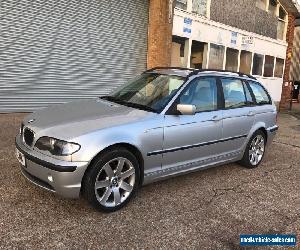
(267, 240)
(187, 20)
(233, 40)
(187, 26)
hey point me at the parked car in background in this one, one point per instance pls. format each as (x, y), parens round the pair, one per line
(165, 122)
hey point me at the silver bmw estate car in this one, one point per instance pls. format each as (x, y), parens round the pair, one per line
(165, 122)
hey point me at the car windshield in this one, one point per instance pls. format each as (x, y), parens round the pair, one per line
(149, 91)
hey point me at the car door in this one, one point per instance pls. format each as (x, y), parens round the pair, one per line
(190, 140)
(265, 111)
(238, 116)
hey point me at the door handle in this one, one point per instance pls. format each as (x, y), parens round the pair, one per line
(216, 118)
(251, 113)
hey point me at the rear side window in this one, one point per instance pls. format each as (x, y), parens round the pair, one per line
(260, 93)
(234, 95)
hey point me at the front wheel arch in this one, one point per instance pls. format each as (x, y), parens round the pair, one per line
(134, 150)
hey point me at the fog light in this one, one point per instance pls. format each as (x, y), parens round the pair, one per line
(50, 178)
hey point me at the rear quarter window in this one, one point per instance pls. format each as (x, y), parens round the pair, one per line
(260, 94)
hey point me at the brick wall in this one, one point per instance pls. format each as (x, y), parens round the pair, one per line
(159, 33)
(286, 87)
(295, 66)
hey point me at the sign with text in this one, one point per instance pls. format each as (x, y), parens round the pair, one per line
(187, 27)
(233, 40)
(247, 40)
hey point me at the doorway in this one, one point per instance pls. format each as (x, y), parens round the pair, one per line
(198, 55)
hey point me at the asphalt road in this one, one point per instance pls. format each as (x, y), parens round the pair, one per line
(208, 209)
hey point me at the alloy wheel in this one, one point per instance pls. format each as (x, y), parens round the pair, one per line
(115, 182)
(257, 149)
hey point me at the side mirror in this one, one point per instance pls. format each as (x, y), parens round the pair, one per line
(186, 109)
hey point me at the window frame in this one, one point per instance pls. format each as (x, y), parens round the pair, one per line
(189, 8)
(238, 57)
(274, 12)
(224, 49)
(187, 5)
(247, 104)
(172, 109)
(265, 5)
(273, 68)
(283, 65)
(262, 65)
(244, 52)
(285, 21)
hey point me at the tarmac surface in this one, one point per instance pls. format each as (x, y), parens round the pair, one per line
(208, 209)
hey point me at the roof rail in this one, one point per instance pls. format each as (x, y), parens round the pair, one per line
(180, 68)
(197, 71)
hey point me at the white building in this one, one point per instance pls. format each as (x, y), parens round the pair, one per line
(203, 40)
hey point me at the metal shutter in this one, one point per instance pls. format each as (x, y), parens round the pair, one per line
(55, 51)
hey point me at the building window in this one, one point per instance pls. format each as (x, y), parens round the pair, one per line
(281, 23)
(232, 58)
(261, 4)
(198, 55)
(181, 4)
(258, 61)
(273, 7)
(199, 7)
(269, 66)
(178, 51)
(245, 62)
(282, 13)
(216, 56)
(280, 29)
(279, 67)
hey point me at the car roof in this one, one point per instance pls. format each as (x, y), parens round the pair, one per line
(187, 72)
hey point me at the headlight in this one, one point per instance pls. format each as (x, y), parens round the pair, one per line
(57, 147)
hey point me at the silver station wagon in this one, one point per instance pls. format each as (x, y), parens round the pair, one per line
(165, 122)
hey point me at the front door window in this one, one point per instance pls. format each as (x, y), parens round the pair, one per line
(202, 93)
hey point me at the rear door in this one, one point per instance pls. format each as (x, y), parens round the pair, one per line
(238, 116)
(264, 110)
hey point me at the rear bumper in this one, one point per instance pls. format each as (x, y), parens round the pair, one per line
(61, 177)
(272, 131)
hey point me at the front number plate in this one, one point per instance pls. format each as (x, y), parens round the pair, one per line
(21, 157)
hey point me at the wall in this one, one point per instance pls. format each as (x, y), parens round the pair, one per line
(286, 87)
(244, 14)
(295, 65)
(159, 33)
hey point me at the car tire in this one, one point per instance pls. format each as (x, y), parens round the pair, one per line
(255, 150)
(111, 180)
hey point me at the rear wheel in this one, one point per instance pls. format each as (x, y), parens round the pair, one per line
(112, 180)
(255, 150)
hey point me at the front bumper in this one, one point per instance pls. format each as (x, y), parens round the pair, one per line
(61, 177)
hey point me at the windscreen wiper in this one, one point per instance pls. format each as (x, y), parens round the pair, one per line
(129, 104)
(140, 106)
